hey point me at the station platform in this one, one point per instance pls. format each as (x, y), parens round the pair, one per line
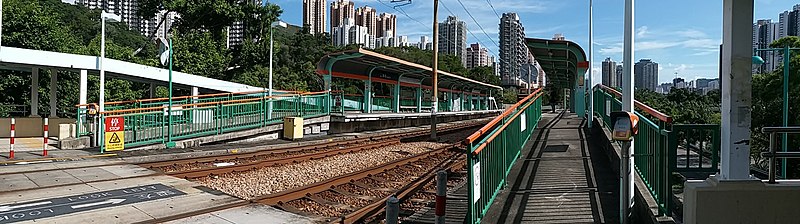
(562, 178)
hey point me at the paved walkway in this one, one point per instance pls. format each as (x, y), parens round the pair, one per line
(560, 178)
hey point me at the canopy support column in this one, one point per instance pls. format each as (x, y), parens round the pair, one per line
(35, 92)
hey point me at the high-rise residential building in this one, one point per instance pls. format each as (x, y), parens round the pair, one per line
(478, 56)
(314, 16)
(453, 38)
(764, 33)
(236, 32)
(609, 73)
(513, 51)
(367, 17)
(645, 74)
(126, 9)
(424, 43)
(402, 41)
(160, 25)
(559, 36)
(341, 11)
(350, 33)
(789, 22)
(387, 25)
(618, 71)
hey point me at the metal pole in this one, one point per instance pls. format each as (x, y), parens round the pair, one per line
(269, 106)
(170, 144)
(772, 158)
(435, 83)
(626, 194)
(441, 195)
(591, 68)
(392, 210)
(99, 134)
(102, 58)
(784, 137)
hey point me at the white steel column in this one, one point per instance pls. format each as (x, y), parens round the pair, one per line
(53, 91)
(195, 93)
(82, 88)
(626, 194)
(34, 92)
(737, 46)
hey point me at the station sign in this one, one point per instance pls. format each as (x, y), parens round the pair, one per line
(115, 133)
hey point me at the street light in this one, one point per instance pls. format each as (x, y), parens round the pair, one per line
(757, 60)
(274, 24)
(113, 18)
(103, 17)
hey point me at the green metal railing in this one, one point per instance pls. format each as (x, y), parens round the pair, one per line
(494, 149)
(149, 125)
(660, 145)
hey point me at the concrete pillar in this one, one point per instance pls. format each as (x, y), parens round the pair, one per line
(53, 91)
(152, 91)
(737, 46)
(35, 92)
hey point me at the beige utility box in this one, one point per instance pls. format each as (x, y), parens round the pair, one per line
(293, 128)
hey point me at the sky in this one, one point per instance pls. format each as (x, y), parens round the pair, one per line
(683, 36)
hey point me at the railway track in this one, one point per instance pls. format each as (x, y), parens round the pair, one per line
(214, 165)
(359, 195)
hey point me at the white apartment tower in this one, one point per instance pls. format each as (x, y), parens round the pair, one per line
(367, 17)
(341, 11)
(513, 52)
(314, 16)
(387, 25)
(764, 33)
(478, 56)
(609, 73)
(453, 38)
(350, 33)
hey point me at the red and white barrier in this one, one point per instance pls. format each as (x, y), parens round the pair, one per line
(11, 150)
(44, 146)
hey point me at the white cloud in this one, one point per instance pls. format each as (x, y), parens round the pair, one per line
(692, 33)
(641, 31)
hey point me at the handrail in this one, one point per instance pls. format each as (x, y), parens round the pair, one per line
(194, 97)
(138, 110)
(486, 128)
(773, 145)
(647, 109)
(490, 138)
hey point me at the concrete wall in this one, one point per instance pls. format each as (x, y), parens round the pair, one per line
(715, 201)
(31, 126)
(338, 127)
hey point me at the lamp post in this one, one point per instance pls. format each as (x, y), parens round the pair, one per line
(103, 17)
(786, 58)
(170, 144)
(269, 106)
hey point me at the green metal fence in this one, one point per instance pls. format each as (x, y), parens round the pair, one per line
(662, 148)
(494, 149)
(151, 125)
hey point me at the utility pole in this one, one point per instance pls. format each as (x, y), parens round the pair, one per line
(435, 97)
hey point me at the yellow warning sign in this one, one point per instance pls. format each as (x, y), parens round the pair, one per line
(115, 141)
